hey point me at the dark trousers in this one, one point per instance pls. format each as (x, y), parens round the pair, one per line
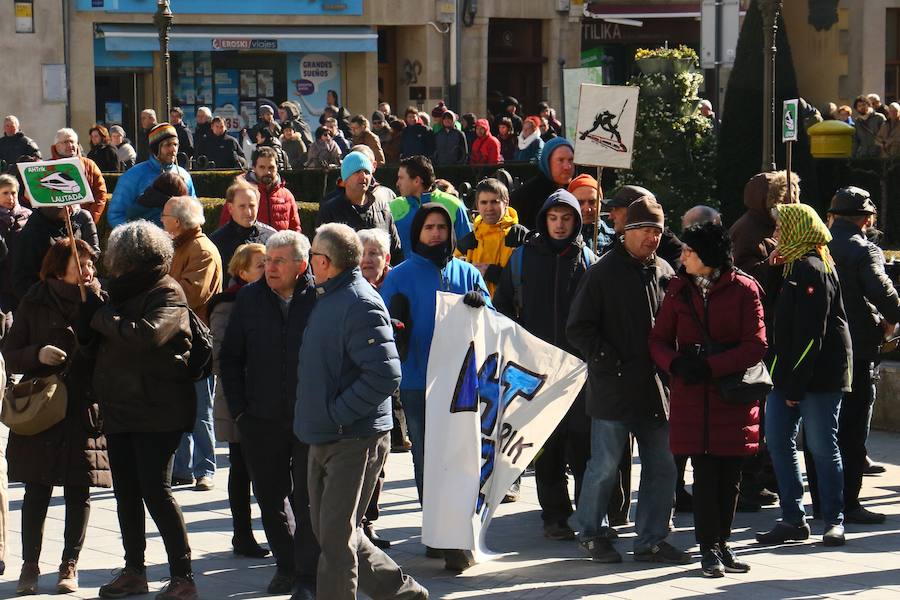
(34, 514)
(853, 431)
(717, 480)
(277, 462)
(342, 477)
(141, 466)
(239, 494)
(567, 445)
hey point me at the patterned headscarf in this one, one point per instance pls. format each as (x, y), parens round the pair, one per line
(801, 231)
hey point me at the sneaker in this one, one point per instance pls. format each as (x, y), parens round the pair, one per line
(128, 582)
(711, 563)
(558, 531)
(730, 560)
(767, 497)
(873, 468)
(205, 484)
(68, 578)
(663, 552)
(282, 583)
(181, 588)
(600, 550)
(834, 536)
(513, 493)
(458, 560)
(784, 532)
(28, 579)
(248, 547)
(863, 516)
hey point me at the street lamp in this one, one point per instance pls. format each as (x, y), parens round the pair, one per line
(163, 21)
(770, 9)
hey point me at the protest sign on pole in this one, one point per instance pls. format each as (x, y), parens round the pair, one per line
(58, 183)
(494, 394)
(789, 135)
(604, 136)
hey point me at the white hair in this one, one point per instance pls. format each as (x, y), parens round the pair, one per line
(64, 133)
(149, 111)
(379, 237)
(340, 243)
(874, 97)
(204, 110)
(188, 211)
(290, 239)
(12, 119)
(136, 245)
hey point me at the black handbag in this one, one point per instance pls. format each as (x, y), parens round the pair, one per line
(743, 387)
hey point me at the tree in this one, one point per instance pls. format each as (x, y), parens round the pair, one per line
(674, 145)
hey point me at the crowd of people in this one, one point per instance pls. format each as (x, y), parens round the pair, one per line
(876, 127)
(309, 357)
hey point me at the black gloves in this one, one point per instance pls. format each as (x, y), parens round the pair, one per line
(86, 312)
(691, 369)
(474, 298)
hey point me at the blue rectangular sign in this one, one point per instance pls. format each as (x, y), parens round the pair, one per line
(229, 7)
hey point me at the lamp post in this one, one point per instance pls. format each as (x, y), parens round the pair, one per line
(163, 21)
(770, 9)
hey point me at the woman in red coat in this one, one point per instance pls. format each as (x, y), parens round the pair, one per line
(714, 434)
(485, 148)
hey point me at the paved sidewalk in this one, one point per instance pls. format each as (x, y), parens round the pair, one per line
(532, 567)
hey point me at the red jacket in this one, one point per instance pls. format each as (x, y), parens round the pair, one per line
(699, 421)
(485, 150)
(277, 207)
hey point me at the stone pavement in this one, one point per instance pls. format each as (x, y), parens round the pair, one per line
(868, 567)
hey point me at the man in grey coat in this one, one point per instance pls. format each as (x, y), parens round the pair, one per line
(349, 367)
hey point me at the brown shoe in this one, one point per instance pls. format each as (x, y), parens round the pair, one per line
(129, 582)
(68, 578)
(179, 588)
(28, 580)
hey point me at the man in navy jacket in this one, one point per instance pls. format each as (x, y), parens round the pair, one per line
(348, 369)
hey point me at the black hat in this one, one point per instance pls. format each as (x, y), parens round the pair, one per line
(852, 201)
(645, 212)
(627, 194)
(711, 242)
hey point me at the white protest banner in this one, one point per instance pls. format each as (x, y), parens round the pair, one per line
(604, 136)
(55, 182)
(494, 394)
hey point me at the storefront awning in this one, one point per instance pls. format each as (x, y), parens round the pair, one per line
(194, 38)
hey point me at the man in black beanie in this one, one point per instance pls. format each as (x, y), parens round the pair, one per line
(617, 207)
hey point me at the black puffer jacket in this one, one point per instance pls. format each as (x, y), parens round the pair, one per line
(14, 146)
(375, 215)
(610, 321)
(229, 236)
(868, 294)
(141, 377)
(223, 150)
(258, 358)
(811, 338)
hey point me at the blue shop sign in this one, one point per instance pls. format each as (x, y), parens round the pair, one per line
(229, 7)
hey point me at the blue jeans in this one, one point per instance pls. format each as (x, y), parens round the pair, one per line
(196, 455)
(819, 413)
(413, 402)
(657, 487)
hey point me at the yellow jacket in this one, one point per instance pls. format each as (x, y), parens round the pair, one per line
(492, 245)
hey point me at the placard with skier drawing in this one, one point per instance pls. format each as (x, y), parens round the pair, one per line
(606, 120)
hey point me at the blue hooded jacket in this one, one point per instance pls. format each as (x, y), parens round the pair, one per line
(132, 183)
(418, 279)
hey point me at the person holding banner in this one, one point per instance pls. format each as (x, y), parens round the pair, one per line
(716, 434)
(348, 369)
(609, 325)
(409, 291)
(536, 290)
(66, 146)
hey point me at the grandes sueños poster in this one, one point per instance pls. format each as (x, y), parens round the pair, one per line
(494, 394)
(310, 76)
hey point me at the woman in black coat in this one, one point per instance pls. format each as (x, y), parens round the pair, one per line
(72, 453)
(102, 152)
(147, 397)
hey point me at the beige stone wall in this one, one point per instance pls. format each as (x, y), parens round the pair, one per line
(23, 56)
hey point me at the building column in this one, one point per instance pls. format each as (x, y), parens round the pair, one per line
(474, 56)
(361, 82)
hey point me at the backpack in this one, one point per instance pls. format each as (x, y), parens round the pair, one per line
(515, 265)
(199, 363)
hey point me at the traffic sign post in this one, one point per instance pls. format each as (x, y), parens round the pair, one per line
(789, 126)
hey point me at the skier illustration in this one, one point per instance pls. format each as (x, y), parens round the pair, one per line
(609, 123)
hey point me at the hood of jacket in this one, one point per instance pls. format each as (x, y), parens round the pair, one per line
(483, 123)
(419, 221)
(756, 193)
(560, 198)
(549, 148)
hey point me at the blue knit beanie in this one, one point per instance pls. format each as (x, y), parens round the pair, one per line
(549, 148)
(353, 162)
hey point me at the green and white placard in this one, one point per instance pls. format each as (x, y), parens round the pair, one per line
(55, 182)
(789, 121)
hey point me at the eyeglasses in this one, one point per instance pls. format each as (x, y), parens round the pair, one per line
(311, 253)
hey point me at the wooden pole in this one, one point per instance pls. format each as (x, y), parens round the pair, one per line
(597, 212)
(75, 254)
(790, 185)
